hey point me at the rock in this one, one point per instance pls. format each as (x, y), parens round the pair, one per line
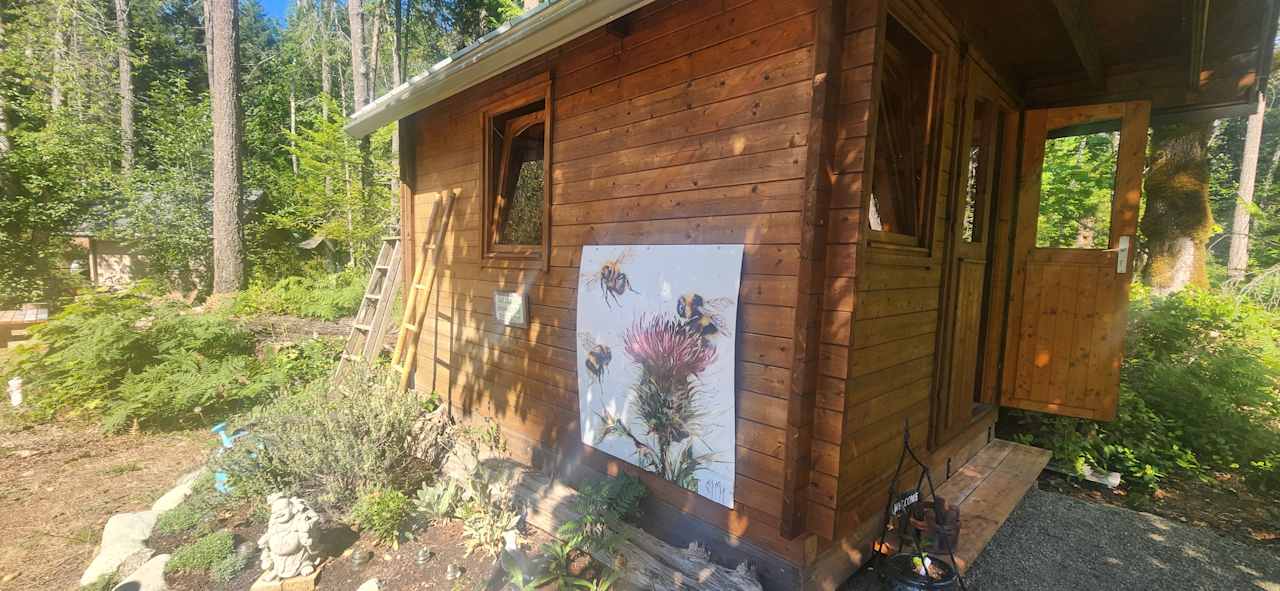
(124, 535)
(134, 562)
(148, 577)
(370, 585)
(177, 494)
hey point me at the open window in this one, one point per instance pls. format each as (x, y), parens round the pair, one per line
(517, 152)
(906, 137)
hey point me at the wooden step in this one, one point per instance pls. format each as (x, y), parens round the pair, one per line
(987, 489)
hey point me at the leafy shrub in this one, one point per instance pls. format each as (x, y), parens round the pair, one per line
(226, 569)
(195, 514)
(381, 512)
(129, 359)
(325, 296)
(439, 500)
(602, 505)
(328, 442)
(202, 555)
(1198, 392)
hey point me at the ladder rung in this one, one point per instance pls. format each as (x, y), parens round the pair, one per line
(372, 296)
(421, 286)
(381, 267)
(411, 327)
(349, 357)
(390, 238)
(361, 327)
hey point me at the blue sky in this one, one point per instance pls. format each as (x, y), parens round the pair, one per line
(276, 8)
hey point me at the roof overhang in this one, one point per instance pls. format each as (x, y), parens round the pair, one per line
(533, 33)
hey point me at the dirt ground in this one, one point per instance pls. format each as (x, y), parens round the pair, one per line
(60, 483)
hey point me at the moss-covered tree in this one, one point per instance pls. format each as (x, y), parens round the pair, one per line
(1177, 223)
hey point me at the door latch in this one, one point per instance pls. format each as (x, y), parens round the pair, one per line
(1122, 254)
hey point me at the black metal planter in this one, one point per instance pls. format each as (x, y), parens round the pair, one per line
(897, 574)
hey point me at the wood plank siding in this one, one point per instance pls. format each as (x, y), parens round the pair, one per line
(692, 128)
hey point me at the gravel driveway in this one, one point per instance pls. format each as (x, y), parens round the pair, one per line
(1052, 541)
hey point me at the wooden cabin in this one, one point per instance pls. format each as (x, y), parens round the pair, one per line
(880, 161)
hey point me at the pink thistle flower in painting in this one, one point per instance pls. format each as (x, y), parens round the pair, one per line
(666, 351)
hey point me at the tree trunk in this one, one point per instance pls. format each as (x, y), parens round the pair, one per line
(228, 256)
(1178, 221)
(360, 84)
(293, 128)
(326, 77)
(126, 85)
(359, 69)
(1238, 257)
(4, 115)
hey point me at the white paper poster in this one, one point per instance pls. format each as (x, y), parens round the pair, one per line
(656, 347)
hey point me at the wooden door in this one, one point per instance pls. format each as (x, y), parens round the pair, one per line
(987, 140)
(1067, 313)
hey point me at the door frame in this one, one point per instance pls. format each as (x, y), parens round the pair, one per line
(997, 225)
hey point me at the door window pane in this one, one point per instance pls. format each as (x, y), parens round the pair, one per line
(1077, 186)
(983, 157)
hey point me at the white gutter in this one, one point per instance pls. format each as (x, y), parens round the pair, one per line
(533, 33)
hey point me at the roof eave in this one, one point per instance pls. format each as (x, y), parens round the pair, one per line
(534, 33)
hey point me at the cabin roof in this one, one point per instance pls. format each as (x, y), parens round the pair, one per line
(549, 25)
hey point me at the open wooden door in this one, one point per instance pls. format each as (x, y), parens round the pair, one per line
(1068, 304)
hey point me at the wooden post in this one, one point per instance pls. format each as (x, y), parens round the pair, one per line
(811, 278)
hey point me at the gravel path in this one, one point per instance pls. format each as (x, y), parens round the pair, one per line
(1053, 542)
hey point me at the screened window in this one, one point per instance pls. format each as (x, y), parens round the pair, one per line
(904, 134)
(516, 181)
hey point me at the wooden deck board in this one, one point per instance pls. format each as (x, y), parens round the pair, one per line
(987, 489)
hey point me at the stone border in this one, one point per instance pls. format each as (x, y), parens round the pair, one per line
(123, 549)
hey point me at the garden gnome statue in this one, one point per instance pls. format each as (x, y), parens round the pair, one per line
(287, 546)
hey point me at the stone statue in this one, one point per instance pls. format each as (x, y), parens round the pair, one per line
(288, 545)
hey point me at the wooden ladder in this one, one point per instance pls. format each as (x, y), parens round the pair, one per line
(405, 356)
(369, 328)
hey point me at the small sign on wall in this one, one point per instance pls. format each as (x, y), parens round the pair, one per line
(510, 308)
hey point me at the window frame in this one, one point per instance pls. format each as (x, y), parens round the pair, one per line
(943, 77)
(537, 89)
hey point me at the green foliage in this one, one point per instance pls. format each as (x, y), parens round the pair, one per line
(602, 505)
(194, 516)
(105, 582)
(128, 359)
(203, 555)
(381, 512)
(327, 296)
(1076, 189)
(166, 214)
(329, 442)
(439, 500)
(1198, 393)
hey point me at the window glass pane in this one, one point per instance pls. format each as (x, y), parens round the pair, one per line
(1076, 189)
(982, 157)
(900, 170)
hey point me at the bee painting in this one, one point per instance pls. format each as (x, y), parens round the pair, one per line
(598, 357)
(702, 315)
(613, 282)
